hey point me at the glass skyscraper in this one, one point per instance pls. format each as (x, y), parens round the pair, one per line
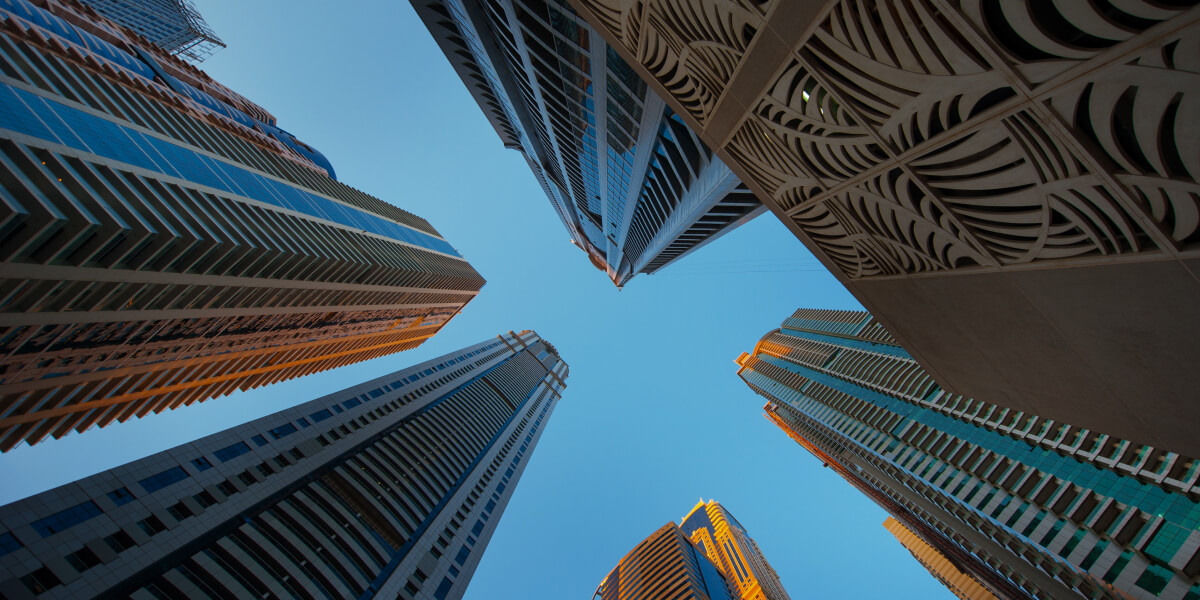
(163, 241)
(1028, 506)
(708, 556)
(390, 489)
(634, 186)
(173, 25)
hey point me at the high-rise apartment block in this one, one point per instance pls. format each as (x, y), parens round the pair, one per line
(634, 186)
(1028, 506)
(387, 489)
(163, 242)
(709, 556)
(1009, 186)
(960, 584)
(173, 25)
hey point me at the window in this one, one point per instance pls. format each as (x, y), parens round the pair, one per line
(443, 588)
(227, 488)
(151, 525)
(259, 440)
(463, 553)
(201, 464)
(321, 415)
(231, 451)
(351, 403)
(121, 496)
(119, 541)
(283, 430)
(40, 580)
(376, 393)
(83, 559)
(8, 543)
(63, 520)
(303, 422)
(170, 476)
(477, 528)
(180, 511)
(204, 499)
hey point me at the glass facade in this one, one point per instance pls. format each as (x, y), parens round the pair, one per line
(634, 187)
(167, 242)
(1039, 508)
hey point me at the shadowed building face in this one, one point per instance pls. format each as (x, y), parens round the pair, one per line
(163, 242)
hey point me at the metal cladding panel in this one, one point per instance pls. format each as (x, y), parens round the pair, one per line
(1010, 186)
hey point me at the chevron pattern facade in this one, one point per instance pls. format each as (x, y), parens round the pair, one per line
(162, 242)
(1021, 174)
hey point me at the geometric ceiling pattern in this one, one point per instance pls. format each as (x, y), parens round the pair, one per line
(924, 136)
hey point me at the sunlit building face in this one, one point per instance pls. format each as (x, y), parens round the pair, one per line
(1028, 506)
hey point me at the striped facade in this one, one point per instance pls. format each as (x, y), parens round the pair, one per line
(725, 542)
(960, 584)
(390, 489)
(163, 242)
(708, 556)
(1028, 506)
(636, 189)
(664, 566)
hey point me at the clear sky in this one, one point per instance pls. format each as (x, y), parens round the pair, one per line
(654, 417)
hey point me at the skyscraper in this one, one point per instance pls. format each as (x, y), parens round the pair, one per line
(1009, 186)
(725, 542)
(1028, 506)
(960, 584)
(634, 187)
(163, 242)
(390, 489)
(173, 25)
(709, 556)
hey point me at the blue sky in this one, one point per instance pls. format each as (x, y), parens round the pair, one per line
(654, 417)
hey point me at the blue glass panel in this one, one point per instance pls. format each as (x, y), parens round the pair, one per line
(94, 134)
(8, 543)
(283, 430)
(201, 464)
(157, 482)
(63, 520)
(259, 440)
(231, 451)
(121, 496)
(351, 403)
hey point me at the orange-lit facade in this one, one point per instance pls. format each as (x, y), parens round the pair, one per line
(962, 585)
(163, 242)
(709, 556)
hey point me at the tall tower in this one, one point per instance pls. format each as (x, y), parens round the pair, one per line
(960, 584)
(390, 489)
(1028, 506)
(725, 542)
(707, 557)
(1011, 187)
(634, 187)
(163, 242)
(173, 25)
